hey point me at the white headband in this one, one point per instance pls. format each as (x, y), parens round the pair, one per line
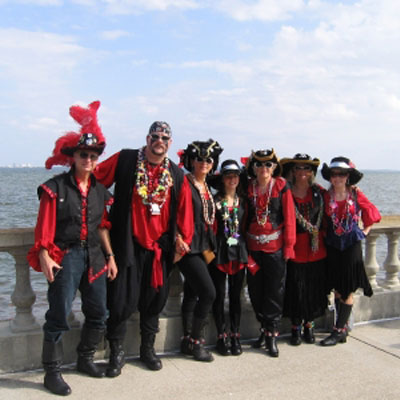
(339, 164)
(230, 167)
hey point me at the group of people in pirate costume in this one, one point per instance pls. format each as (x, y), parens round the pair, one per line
(263, 219)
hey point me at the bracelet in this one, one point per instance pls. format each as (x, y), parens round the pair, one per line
(109, 255)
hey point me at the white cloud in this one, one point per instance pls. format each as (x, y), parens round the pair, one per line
(34, 2)
(114, 34)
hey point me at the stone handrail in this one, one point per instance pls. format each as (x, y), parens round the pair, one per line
(18, 241)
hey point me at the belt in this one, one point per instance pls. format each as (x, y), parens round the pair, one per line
(262, 239)
(80, 243)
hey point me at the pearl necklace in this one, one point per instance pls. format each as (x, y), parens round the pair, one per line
(207, 218)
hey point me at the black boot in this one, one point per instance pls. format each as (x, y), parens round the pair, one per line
(271, 345)
(236, 347)
(90, 339)
(295, 339)
(309, 336)
(260, 341)
(117, 359)
(147, 353)
(187, 322)
(339, 334)
(200, 353)
(52, 358)
(222, 345)
(335, 337)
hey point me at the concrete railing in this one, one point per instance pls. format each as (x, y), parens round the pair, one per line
(17, 242)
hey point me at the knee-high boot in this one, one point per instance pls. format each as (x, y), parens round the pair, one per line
(117, 359)
(90, 339)
(187, 323)
(147, 352)
(200, 353)
(339, 334)
(52, 358)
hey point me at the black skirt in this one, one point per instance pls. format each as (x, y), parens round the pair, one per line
(306, 290)
(346, 271)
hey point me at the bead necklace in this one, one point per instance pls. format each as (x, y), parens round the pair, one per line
(157, 197)
(262, 212)
(308, 226)
(345, 223)
(231, 220)
(207, 218)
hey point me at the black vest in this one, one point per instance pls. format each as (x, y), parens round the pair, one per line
(313, 208)
(69, 215)
(121, 213)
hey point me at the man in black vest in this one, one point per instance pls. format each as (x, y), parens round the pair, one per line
(151, 221)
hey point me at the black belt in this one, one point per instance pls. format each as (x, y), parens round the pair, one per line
(80, 243)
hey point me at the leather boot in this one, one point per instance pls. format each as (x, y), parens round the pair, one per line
(309, 336)
(117, 359)
(335, 337)
(271, 345)
(236, 347)
(339, 334)
(222, 345)
(200, 353)
(90, 339)
(147, 353)
(295, 339)
(187, 322)
(52, 358)
(260, 341)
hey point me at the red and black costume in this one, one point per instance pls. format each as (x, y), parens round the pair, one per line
(143, 246)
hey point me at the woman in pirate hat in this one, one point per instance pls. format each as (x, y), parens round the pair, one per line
(271, 235)
(306, 287)
(200, 158)
(231, 258)
(72, 247)
(345, 204)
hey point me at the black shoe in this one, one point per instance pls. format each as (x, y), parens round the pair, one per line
(86, 366)
(147, 353)
(222, 346)
(54, 382)
(309, 334)
(236, 347)
(271, 346)
(117, 359)
(260, 341)
(200, 353)
(295, 339)
(334, 338)
(186, 347)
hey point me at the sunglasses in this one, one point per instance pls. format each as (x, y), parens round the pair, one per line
(208, 160)
(85, 156)
(302, 168)
(259, 164)
(341, 174)
(155, 137)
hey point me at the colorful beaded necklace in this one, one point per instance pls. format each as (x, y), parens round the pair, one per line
(231, 220)
(207, 218)
(262, 212)
(159, 194)
(305, 223)
(345, 223)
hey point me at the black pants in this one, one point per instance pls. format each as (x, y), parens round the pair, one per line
(132, 291)
(198, 287)
(267, 288)
(235, 284)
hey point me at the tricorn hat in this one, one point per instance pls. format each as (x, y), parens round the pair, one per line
(344, 164)
(263, 156)
(299, 158)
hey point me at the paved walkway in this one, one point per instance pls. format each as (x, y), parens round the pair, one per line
(367, 367)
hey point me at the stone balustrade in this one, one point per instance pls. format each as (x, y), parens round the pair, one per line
(384, 279)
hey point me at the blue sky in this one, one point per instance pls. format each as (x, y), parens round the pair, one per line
(313, 76)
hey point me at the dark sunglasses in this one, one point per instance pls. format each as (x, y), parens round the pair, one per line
(208, 160)
(341, 174)
(84, 156)
(302, 167)
(155, 137)
(259, 164)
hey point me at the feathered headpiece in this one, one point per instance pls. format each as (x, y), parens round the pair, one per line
(90, 136)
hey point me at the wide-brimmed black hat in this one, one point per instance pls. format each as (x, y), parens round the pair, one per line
(208, 149)
(263, 156)
(227, 167)
(344, 164)
(299, 158)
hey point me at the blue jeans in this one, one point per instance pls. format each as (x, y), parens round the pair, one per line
(61, 293)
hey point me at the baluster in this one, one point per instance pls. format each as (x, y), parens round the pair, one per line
(371, 264)
(173, 306)
(392, 263)
(23, 296)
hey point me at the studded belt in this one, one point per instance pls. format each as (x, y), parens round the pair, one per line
(263, 239)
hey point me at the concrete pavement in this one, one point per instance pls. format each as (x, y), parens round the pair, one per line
(366, 367)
